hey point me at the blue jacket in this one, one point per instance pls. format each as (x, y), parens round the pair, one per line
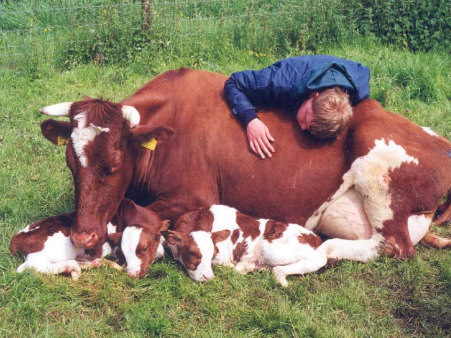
(287, 83)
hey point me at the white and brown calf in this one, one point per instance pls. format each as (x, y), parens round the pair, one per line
(140, 246)
(48, 248)
(222, 235)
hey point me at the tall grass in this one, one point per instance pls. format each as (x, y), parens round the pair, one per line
(68, 33)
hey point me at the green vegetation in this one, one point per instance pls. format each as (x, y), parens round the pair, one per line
(386, 297)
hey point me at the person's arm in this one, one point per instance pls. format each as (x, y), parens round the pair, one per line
(242, 88)
(237, 89)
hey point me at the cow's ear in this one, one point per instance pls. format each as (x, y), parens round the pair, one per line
(220, 236)
(57, 132)
(150, 136)
(171, 237)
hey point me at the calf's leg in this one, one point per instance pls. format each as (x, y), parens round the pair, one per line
(306, 265)
(71, 267)
(362, 250)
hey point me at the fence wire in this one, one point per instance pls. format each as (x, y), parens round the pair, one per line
(67, 31)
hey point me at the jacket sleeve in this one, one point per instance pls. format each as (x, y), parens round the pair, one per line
(236, 90)
(266, 87)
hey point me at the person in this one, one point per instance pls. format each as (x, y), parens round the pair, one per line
(320, 89)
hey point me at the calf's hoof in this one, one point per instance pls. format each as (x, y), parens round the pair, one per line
(281, 277)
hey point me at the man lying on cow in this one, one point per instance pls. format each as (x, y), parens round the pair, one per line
(319, 88)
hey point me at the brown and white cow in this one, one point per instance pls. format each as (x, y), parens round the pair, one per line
(133, 234)
(380, 181)
(221, 235)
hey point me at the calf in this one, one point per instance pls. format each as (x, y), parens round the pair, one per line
(222, 235)
(140, 245)
(48, 248)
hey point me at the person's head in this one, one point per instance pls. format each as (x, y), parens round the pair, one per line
(325, 114)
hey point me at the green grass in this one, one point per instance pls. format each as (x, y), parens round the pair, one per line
(386, 297)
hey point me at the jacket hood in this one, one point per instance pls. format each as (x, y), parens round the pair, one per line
(326, 76)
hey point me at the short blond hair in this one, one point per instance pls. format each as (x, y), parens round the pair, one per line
(332, 112)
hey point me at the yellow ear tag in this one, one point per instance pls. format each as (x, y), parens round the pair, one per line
(61, 141)
(151, 144)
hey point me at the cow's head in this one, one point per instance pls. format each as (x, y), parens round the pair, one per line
(102, 140)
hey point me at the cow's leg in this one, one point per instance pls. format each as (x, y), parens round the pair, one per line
(435, 241)
(305, 265)
(445, 211)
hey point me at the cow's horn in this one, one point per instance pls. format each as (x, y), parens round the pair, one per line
(59, 109)
(131, 114)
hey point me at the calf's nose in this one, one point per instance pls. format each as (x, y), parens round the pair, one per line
(133, 274)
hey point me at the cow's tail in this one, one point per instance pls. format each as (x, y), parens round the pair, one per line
(444, 211)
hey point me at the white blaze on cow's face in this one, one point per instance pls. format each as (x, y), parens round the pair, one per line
(129, 245)
(197, 257)
(82, 136)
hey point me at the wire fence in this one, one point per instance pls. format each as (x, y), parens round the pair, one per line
(65, 33)
(68, 32)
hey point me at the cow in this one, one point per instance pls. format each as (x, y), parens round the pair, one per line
(222, 235)
(174, 146)
(134, 234)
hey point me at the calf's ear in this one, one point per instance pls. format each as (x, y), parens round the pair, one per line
(115, 238)
(171, 237)
(57, 132)
(220, 236)
(149, 136)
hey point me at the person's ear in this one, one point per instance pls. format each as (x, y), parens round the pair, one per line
(314, 95)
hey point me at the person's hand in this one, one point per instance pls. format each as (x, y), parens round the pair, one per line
(259, 138)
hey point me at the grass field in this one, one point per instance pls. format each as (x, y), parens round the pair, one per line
(386, 297)
(94, 50)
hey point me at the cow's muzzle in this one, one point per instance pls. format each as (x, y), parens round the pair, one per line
(84, 240)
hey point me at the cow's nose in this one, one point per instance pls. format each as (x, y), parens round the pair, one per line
(84, 240)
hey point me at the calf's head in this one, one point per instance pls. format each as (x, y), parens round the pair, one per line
(195, 251)
(140, 246)
(102, 140)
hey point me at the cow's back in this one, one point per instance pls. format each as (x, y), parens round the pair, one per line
(208, 159)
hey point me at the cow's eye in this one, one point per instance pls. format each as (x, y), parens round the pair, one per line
(110, 170)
